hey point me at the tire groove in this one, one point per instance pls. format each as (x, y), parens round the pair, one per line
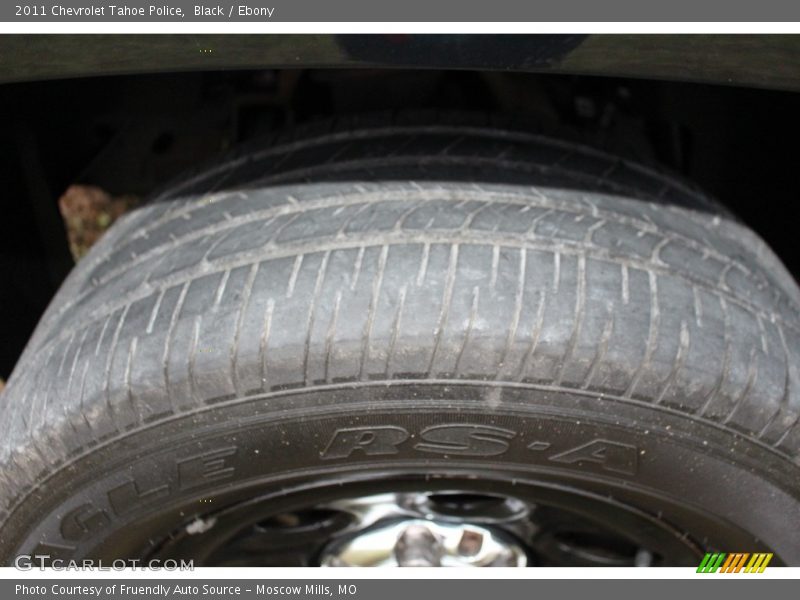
(447, 298)
(312, 315)
(577, 319)
(652, 335)
(516, 315)
(247, 293)
(367, 331)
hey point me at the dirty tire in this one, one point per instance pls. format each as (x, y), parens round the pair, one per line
(409, 274)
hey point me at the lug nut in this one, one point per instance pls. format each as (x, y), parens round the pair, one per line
(417, 546)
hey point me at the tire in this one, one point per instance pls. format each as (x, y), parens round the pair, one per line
(406, 298)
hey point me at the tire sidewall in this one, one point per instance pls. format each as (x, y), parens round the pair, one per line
(117, 498)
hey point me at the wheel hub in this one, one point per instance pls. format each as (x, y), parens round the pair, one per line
(422, 543)
(427, 530)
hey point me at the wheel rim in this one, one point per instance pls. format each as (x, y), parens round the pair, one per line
(469, 524)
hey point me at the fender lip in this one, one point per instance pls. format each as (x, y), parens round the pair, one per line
(768, 61)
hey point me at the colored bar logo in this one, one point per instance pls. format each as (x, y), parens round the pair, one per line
(736, 562)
